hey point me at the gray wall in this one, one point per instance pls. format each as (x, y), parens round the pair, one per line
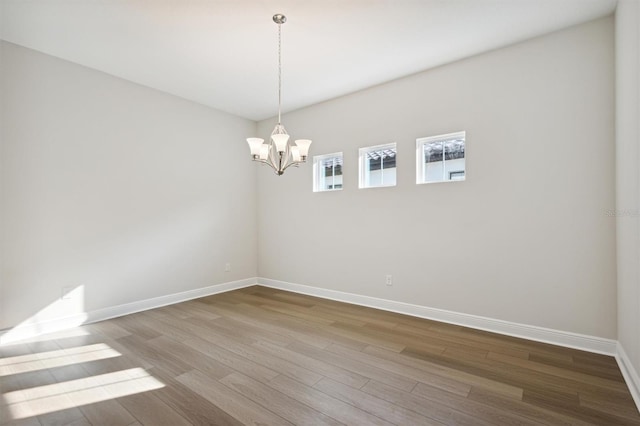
(627, 177)
(126, 192)
(526, 238)
(116, 189)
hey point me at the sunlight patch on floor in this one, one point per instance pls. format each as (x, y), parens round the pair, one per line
(58, 358)
(74, 393)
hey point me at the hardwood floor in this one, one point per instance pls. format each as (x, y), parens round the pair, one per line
(266, 357)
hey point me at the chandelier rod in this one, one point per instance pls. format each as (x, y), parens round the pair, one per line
(279, 69)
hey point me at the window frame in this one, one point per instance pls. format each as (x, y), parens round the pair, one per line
(317, 159)
(420, 165)
(361, 163)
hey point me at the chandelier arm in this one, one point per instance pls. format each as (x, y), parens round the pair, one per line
(280, 158)
(272, 157)
(264, 162)
(285, 159)
(288, 157)
(269, 163)
(293, 163)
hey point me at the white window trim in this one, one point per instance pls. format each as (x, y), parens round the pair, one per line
(361, 160)
(421, 142)
(316, 172)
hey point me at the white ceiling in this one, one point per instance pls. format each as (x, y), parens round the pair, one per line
(223, 53)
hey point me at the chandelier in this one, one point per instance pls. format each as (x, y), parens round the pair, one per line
(278, 153)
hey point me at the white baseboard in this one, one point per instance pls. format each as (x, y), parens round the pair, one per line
(630, 374)
(170, 299)
(530, 332)
(540, 334)
(31, 329)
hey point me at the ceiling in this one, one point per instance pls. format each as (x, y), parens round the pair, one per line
(223, 53)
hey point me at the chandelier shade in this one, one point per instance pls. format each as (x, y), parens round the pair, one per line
(278, 153)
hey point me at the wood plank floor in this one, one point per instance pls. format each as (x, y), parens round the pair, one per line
(261, 356)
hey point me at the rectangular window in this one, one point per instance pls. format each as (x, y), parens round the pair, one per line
(440, 158)
(327, 172)
(378, 166)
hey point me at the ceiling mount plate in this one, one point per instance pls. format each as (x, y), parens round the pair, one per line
(279, 18)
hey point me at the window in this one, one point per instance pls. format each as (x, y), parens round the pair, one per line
(378, 166)
(327, 172)
(440, 158)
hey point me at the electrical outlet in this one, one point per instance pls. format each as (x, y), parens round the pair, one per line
(227, 267)
(389, 280)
